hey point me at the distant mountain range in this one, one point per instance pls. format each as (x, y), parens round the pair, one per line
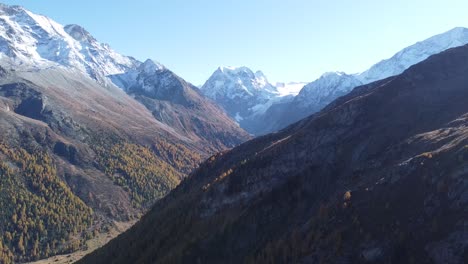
(267, 111)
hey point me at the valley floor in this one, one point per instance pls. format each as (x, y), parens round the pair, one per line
(93, 244)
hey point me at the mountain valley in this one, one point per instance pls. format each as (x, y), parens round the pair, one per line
(109, 158)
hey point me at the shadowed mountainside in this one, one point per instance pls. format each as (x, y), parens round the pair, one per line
(379, 176)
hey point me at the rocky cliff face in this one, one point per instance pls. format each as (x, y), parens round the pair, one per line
(243, 94)
(377, 176)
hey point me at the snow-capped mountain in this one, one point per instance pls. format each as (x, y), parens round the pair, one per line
(415, 54)
(137, 76)
(331, 85)
(240, 91)
(319, 93)
(35, 41)
(325, 89)
(238, 83)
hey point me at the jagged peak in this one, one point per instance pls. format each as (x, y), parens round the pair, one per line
(79, 33)
(151, 66)
(11, 9)
(333, 73)
(415, 53)
(235, 70)
(456, 31)
(260, 75)
(37, 41)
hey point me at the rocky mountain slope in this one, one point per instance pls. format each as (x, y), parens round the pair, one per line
(180, 105)
(76, 151)
(378, 176)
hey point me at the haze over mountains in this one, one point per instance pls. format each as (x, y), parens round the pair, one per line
(266, 112)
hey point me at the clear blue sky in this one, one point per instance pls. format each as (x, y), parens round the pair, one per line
(289, 40)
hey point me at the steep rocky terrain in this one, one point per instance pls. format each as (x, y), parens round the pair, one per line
(180, 105)
(378, 176)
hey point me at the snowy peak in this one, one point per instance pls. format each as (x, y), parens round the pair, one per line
(35, 41)
(260, 75)
(240, 92)
(150, 67)
(237, 82)
(153, 80)
(415, 54)
(327, 88)
(11, 10)
(334, 84)
(230, 70)
(78, 33)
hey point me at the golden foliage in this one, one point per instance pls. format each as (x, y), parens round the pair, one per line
(136, 168)
(39, 211)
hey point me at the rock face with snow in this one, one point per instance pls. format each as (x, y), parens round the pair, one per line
(324, 90)
(39, 42)
(311, 98)
(239, 91)
(245, 95)
(415, 54)
(180, 105)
